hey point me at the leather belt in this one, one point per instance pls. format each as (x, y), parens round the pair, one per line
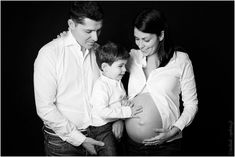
(84, 132)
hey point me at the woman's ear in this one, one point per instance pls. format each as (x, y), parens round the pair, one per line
(104, 67)
(71, 24)
(161, 37)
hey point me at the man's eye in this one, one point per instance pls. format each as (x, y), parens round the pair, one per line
(88, 31)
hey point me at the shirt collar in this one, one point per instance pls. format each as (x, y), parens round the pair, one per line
(173, 58)
(140, 58)
(70, 40)
(110, 81)
(143, 62)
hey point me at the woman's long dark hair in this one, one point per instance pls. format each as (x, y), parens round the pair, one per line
(154, 22)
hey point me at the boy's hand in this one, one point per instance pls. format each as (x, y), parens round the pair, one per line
(136, 109)
(128, 103)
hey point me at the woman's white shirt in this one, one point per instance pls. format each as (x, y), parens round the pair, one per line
(165, 85)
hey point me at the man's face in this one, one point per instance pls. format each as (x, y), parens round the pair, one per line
(86, 33)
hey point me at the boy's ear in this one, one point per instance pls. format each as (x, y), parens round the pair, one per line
(71, 24)
(104, 66)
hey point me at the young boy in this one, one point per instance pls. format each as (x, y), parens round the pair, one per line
(108, 100)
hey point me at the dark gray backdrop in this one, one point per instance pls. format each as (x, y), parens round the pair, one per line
(204, 29)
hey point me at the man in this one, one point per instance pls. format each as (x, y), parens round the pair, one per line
(64, 73)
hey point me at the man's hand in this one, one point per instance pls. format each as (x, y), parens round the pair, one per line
(117, 129)
(89, 145)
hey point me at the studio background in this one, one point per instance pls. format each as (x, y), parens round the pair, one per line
(204, 29)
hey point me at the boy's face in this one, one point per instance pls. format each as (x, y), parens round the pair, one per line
(116, 70)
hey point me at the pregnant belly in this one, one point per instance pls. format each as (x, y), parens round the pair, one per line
(143, 127)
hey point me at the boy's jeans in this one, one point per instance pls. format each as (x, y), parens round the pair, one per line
(104, 133)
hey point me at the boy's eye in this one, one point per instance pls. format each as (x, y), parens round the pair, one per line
(120, 66)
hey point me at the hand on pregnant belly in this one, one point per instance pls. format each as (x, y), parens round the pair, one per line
(163, 135)
(142, 127)
(135, 110)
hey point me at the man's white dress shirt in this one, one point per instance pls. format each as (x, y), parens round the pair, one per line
(106, 101)
(165, 85)
(63, 82)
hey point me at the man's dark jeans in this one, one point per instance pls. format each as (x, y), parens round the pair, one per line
(55, 146)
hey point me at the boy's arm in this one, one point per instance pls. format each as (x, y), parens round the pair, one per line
(100, 102)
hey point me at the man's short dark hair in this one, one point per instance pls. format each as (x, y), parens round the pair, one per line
(85, 9)
(111, 52)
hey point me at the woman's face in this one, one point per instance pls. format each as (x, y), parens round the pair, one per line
(147, 42)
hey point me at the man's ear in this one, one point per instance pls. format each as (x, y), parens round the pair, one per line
(71, 24)
(161, 37)
(104, 66)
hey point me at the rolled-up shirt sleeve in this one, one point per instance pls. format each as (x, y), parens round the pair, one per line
(189, 95)
(45, 89)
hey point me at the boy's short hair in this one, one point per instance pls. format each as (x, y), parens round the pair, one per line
(85, 9)
(111, 52)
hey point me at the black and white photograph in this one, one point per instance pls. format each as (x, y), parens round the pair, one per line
(117, 78)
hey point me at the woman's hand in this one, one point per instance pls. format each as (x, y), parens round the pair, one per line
(163, 136)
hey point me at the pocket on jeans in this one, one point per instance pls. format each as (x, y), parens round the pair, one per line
(54, 142)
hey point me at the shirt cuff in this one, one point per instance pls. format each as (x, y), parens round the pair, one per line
(126, 111)
(178, 125)
(76, 138)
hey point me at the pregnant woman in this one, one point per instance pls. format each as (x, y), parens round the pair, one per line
(159, 73)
